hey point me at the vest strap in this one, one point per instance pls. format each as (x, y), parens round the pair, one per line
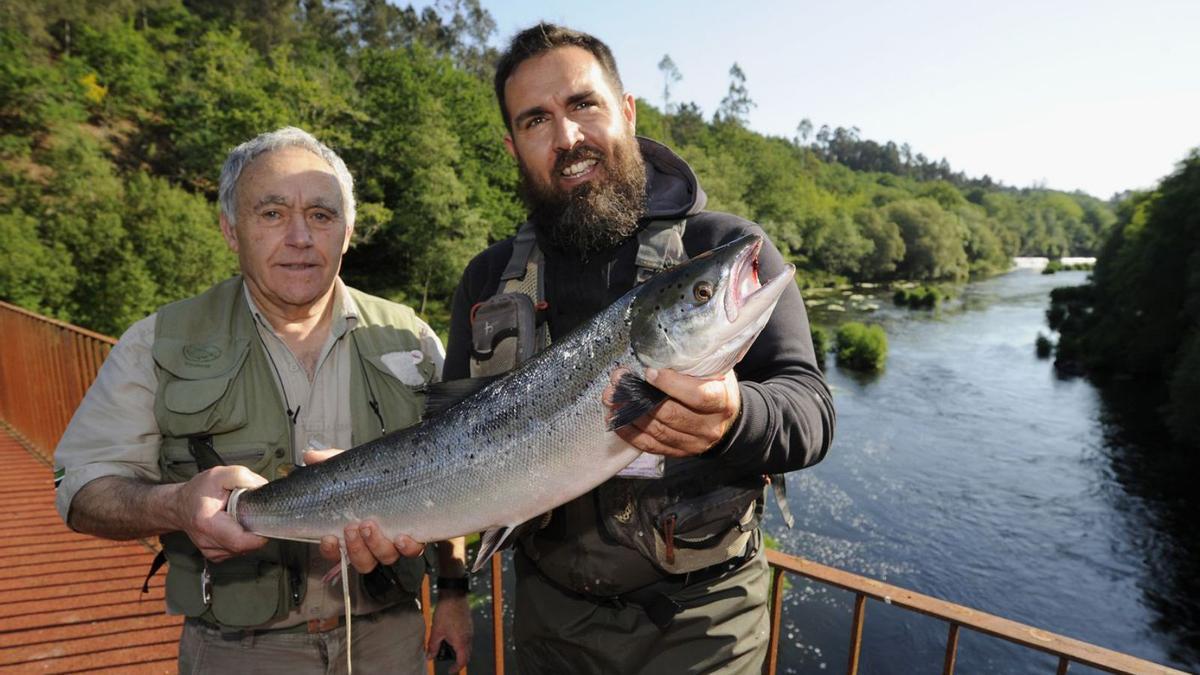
(523, 245)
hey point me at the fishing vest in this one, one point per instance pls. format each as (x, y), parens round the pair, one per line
(689, 519)
(217, 389)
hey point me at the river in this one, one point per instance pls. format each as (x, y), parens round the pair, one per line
(970, 471)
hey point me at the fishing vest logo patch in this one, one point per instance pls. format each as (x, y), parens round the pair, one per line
(201, 354)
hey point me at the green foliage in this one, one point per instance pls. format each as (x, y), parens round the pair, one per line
(1059, 266)
(933, 240)
(33, 95)
(820, 341)
(861, 347)
(920, 297)
(175, 232)
(125, 64)
(30, 273)
(442, 178)
(1140, 316)
(736, 105)
(115, 118)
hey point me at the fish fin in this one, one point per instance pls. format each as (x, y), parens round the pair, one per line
(779, 484)
(499, 538)
(441, 396)
(490, 543)
(636, 397)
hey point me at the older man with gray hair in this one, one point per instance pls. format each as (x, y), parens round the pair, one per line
(269, 370)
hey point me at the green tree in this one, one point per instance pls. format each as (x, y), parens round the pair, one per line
(125, 64)
(31, 273)
(735, 107)
(933, 240)
(176, 234)
(887, 246)
(671, 77)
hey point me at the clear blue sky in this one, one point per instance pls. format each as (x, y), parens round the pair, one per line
(1099, 95)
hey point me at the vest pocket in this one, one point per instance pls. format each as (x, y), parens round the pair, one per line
(686, 521)
(196, 405)
(406, 406)
(248, 592)
(178, 464)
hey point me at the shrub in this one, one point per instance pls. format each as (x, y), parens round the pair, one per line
(861, 347)
(1044, 346)
(921, 297)
(820, 341)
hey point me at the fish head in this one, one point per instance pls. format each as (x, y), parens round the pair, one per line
(700, 317)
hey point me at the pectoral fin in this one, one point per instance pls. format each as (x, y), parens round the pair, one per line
(636, 397)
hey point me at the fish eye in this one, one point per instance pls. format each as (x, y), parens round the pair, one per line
(703, 290)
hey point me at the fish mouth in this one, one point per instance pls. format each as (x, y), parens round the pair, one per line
(743, 282)
(749, 297)
(745, 285)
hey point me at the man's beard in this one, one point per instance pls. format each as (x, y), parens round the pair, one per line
(597, 215)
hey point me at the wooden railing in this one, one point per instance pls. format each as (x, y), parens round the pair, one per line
(46, 367)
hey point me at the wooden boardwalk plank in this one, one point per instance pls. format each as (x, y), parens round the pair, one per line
(71, 603)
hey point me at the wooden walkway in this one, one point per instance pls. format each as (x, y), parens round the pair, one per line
(71, 603)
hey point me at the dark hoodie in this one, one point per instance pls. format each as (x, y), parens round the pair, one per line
(787, 416)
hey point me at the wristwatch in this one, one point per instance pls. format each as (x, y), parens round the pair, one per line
(454, 584)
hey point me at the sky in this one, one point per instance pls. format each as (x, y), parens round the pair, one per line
(1101, 96)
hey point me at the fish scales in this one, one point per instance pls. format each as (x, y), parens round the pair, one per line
(530, 433)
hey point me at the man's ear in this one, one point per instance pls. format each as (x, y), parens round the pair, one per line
(508, 145)
(629, 110)
(230, 235)
(349, 238)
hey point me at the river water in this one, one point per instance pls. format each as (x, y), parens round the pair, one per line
(970, 471)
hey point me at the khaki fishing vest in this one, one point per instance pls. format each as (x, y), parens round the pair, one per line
(685, 521)
(216, 386)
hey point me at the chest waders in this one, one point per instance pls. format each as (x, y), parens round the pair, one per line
(218, 402)
(637, 540)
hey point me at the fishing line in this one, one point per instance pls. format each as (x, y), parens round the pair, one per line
(346, 599)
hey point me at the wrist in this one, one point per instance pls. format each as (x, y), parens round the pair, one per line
(171, 500)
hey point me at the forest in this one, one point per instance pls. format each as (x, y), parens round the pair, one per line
(115, 116)
(1136, 324)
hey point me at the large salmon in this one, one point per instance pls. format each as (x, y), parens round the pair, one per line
(539, 436)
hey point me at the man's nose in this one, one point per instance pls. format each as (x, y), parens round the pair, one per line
(298, 232)
(568, 134)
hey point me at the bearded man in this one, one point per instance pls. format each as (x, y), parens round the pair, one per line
(661, 569)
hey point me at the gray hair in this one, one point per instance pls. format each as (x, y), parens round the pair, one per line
(287, 137)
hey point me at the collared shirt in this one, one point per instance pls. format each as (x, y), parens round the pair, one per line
(114, 431)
